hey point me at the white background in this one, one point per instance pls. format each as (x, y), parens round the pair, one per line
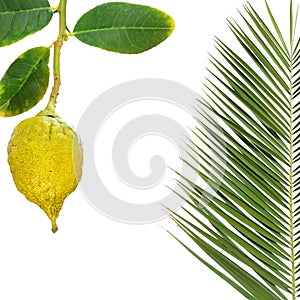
(91, 256)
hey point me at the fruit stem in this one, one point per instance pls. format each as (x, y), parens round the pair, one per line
(62, 36)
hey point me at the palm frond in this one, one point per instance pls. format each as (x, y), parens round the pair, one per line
(247, 221)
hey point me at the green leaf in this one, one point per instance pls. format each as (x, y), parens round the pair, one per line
(19, 18)
(124, 27)
(250, 226)
(25, 82)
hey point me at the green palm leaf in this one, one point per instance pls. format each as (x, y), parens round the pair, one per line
(248, 221)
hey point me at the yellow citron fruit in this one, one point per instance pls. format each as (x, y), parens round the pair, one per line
(45, 158)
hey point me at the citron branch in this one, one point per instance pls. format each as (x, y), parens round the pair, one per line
(57, 52)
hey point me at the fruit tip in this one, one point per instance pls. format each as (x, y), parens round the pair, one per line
(54, 226)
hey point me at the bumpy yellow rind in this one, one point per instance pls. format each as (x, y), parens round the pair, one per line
(45, 158)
